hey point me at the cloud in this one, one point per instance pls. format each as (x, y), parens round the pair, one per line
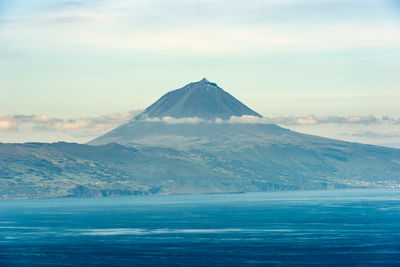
(313, 120)
(171, 120)
(307, 121)
(287, 121)
(7, 123)
(371, 134)
(11, 122)
(92, 126)
(245, 119)
(44, 119)
(233, 119)
(87, 125)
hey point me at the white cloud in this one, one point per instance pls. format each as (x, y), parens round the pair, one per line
(7, 123)
(245, 119)
(233, 119)
(73, 125)
(101, 124)
(372, 134)
(88, 125)
(306, 121)
(313, 120)
(43, 118)
(12, 122)
(287, 121)
(171, 120)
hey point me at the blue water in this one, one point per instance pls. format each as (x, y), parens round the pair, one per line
(334, 228)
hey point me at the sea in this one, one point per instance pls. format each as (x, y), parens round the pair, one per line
(354, 227)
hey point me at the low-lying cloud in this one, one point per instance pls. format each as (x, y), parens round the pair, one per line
(102, 124)
(246, 119)
(286, 121)
(7, 123)
(313, 120)
(370, 134)
(85, 125)
(172, 120)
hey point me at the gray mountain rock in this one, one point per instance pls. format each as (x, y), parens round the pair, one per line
(203, 99)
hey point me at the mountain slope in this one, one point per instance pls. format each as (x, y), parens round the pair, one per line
(203, 99)
(35, 170)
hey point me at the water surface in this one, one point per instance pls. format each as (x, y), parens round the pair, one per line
(338, 227)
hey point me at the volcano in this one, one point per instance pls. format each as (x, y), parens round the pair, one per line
(196, 113)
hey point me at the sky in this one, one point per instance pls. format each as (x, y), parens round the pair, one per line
(71, 70)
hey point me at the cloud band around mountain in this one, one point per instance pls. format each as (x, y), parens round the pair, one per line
(98, 125)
